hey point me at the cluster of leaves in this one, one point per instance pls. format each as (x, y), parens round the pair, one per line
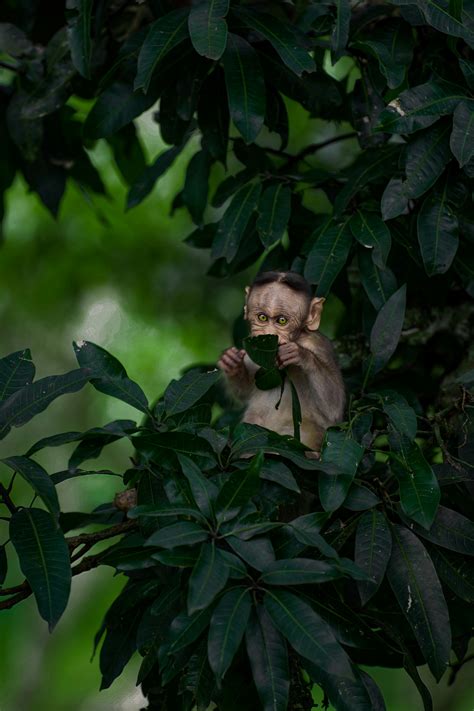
(241, 554)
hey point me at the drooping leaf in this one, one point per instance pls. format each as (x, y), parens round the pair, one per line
(182, 394)
(387, 328)
(451, 530)
(213, 116)
(238, 489)
(245, 87)
(415, 584)
(360, 498)
(16, 371)
(164, 34)
(438, 232)
(462, 136)
(79, 36)
(456, 571)
(203, 490)
(164, 510)
(44, 560)
(373, 545)
(196, 185)
(370, 167)
(258, 552)
(164, 448)
(187, 628)
(273, 213)
(307, 633)
(128, 153)
(394, 201)
(184, 533)
(379, 284)
(425, 159)
(358, 694)
(207, 27)
(262, 350)
(232, 226)
(439, 15)
(38, 478)
(391, 43)
(208, 578)
(119, 645)
(266, 649)
(419, 489)
(279, 473)
(115, 108)
(146, 181)
(371, 232)
(299, 571)
(108, 375)
(227, 628)
(340, 32)
(399, 412)
(345, 453)
(328, 255)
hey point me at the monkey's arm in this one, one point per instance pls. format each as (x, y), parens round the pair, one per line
(238, 379)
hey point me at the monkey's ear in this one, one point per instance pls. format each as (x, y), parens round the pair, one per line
(314, 313)
(247, 292)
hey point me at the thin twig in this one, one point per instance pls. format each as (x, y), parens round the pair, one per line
(5, 495)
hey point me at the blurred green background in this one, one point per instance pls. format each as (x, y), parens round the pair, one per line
(127, 282)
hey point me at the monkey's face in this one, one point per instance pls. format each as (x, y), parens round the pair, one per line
(278, 310)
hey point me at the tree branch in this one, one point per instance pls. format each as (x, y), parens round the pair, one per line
(5, 495)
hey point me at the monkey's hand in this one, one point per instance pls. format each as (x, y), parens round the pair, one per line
(291, 354)
(232, 362)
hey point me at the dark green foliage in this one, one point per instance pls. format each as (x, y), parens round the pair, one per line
(361, 556)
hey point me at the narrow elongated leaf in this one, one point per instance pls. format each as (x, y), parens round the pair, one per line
(391, 43)
(208, 578)
(199, 679)
(379, 284)
(394, 201)
(266, 649)
(438, 233)
(119, 645)
(439, 15)
(373, 546)
(340, 33)
(370, 231)
(164, 448)
(419, 489)
(196, 185)
(44, 560)
(252, 439)
(299, 571)
(399, 412)
(35, 397)
(38, 478)
(79, 36)
(203, 490)
(116, 106)
(164, 510)
(307, 633)
(164, 34)
(456, 571)
(328, 256)
(462, 136)
(236, 218)
(258, 552)
(245, 87)
(227, 627)
(425, 159)
(415, 584)
(345, 453)
(358, 694)
(146, 182)
(16, 371)
(184, 533)
(450, 530)
(238, 489)
(279, 473)
(273, 213)
(108, 375)
(181, 557)
(371, 166)
(387, 328)
(284, 39)
(182, 394)
(186, 628)
(208, 29)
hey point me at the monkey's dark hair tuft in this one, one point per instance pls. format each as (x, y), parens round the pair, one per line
(293, 280)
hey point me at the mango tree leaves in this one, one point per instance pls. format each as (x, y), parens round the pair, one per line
(208, 578)
(299, 571)
(266, 649)
(146, 182)
(164, 447)
(164, 34)
(16, 371)
(387, 328)
(44, 560)
(399, 412)
(378, 284)
(79, 36)
(116, 106)
(207, 27)
(391, 43)
(373, 546)
(108, 375)
(236, 218)
(345, 453)
(370, 230)
(462, 136)
(196, 185)
(38, 479)
(328, 255)
(425, 159)
(182, 394)
(227, 628)
(438, 232)
(262, 350)
(273, 213)
(238, 489)
(245, 87)
(439, 16)
(307, 633)
(419, 488)
(456, 571)
(183, 533)
(416, 586)
(340, 32)
(450, 530)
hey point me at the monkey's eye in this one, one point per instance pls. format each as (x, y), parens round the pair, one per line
(282, 321)
(262, 317)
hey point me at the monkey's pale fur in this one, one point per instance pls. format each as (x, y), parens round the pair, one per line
(308, 355)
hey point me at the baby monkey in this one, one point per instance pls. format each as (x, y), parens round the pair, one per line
(281, 303)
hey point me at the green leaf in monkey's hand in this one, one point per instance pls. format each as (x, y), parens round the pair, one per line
(263, 351)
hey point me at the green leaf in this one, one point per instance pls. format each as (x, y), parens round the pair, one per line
(328, 255)
(299, 571)
(203, 490)
(196, 185)
(115, 108)
(420, 106)
(360, 498)
(379, 284)
(369, 167)
(345, 453)
(425, 159)
(274, 211)
(370, 231)
(438, 15)
(38, 479)
(307, 633)
(182, 394)
(391, 43)
(340, 32)
(279, 473)
(13, 41)
(373, 545)
(79, 36)
(238, 489)
(462, 136)
(146, 182)
(164, 448)
(164, 510)
(438, 233)
(419, 489)
(295, 409)
(33, 398)
(227, 628)
(415, 584)
(44, 560)
(394, 202)
(208, 578)
(213, 116)
(245, 87)
(399, 412)
(184, 557)
(119, 645)
(258, 553)
(16, 371)
(450, 530)
(236, 218)
(358, 694)
(266, 649)
(108, 375)
(455, 571)
(183, 533)
(262, 350)
(208, 29)
(128, 152)
(387, 328)
(199, 679)
(283, 37)
(187, 628)
(249, 439)
(164, 34)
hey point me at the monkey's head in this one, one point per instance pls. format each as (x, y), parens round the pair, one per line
(282, 304)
